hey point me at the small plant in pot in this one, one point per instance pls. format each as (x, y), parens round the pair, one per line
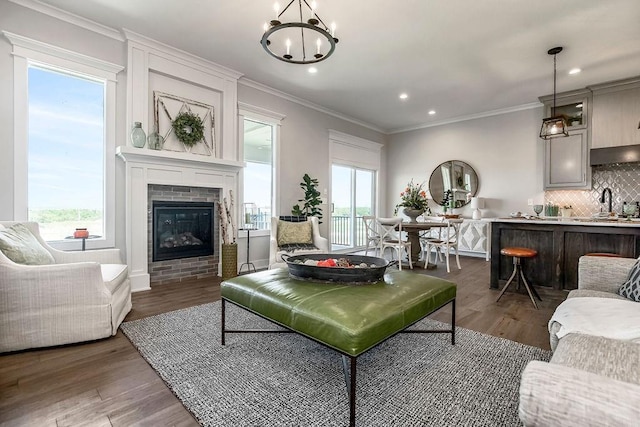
(312, 200)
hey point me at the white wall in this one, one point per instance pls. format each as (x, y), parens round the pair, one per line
(304, 144)
(304, 132)
(504, 150)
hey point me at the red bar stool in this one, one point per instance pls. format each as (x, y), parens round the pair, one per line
(518, 254)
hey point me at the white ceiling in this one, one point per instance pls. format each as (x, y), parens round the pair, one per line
(462, 58)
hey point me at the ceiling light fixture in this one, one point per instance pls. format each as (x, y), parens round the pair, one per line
(310, 36)
(574, 71)
(403, 96)
(432, 112)
(312, 70)
(554, 126)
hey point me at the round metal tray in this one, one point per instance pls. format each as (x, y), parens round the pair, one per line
(346, 275)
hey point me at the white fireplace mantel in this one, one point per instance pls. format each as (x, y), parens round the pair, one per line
(144, 167)
(174, 158)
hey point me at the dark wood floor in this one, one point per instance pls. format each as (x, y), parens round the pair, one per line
(107, 383)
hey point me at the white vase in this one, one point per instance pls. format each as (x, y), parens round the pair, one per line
(413, 214)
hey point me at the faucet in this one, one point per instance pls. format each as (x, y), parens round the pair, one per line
(604, 192)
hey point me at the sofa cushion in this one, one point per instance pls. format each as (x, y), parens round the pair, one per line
(631, 288)
(20, 245)
(615, 359)
(113, 275)
(294, 233)
(580, 293)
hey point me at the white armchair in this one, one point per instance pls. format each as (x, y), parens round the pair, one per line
(318, 244)
(82, 296)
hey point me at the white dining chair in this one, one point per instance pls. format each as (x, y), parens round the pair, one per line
(373, 234)
(443, 241)
(391, 237)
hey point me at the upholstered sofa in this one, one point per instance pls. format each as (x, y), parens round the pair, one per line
(279, 244)
(592, 378)
(71, 297)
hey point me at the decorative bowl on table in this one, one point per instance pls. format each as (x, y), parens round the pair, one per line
(450, 216)
(347, 269)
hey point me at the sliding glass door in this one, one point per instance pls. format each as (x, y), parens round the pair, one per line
(353, 196)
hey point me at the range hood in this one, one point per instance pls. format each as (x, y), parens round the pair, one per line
(621, 154)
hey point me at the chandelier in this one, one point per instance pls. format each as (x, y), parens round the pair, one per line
(554, 126)
(304, 39)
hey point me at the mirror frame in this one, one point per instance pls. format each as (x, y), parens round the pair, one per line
(458, 171)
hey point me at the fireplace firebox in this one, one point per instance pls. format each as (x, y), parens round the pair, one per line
(182, 230)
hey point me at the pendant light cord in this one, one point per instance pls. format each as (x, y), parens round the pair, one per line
(554, 84)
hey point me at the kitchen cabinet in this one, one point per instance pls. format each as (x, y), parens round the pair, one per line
(566, 159)
(560, 244)
(616, 114)
(574, 105)
(566, 164)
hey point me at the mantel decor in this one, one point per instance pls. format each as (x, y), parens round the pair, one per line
(188, 128)
(311, 36)
(184, 125)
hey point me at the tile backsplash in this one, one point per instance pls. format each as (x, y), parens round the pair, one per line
(623, 179)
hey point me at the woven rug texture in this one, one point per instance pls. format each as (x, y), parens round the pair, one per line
(289, 380)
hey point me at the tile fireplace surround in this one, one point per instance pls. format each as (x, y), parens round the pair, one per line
(144, 167)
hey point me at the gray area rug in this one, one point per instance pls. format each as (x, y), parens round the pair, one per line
(288, 380)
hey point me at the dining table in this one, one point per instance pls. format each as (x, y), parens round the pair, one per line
(413, 230)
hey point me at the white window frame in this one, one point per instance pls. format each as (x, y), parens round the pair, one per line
(358, 153)
(273, 119)
(28, 52)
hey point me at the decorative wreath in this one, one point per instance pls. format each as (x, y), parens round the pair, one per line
(188, 128)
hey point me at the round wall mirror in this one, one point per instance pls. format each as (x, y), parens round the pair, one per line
(453, 180)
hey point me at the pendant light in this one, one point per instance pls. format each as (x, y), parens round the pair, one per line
(295, 40)
(554, 126)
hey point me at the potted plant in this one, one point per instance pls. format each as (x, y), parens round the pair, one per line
(229, 256)
(311, 202)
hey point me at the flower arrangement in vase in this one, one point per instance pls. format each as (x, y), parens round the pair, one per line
(413, 200)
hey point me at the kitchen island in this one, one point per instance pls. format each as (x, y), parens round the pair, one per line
(560, 243)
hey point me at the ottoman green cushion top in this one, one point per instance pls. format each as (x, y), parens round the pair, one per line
(347, 318)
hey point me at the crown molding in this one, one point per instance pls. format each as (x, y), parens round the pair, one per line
(204, 64)
(264, 88)
(25, 46)
(70, 18)
(355, 141)
(491, 113)
(243, 107)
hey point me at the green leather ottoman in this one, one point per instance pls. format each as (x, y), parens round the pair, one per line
(350, 319)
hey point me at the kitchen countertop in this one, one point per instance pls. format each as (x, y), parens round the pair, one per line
(586, 221)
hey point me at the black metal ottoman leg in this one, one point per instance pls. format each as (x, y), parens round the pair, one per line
(453, 322)
(222, 322)
(352, 393)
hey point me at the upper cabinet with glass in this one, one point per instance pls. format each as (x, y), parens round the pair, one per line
(575, 106)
